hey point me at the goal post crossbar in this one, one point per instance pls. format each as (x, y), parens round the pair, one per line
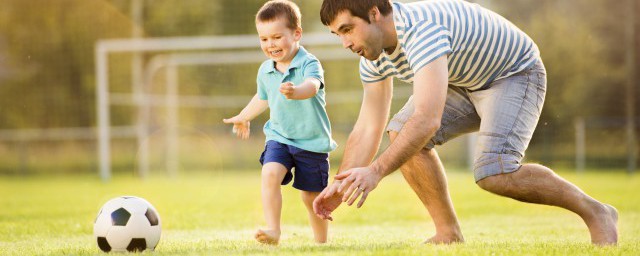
(136, 45)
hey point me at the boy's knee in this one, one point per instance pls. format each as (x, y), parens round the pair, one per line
(309, 196)
(273, 170)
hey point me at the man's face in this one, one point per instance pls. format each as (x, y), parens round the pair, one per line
(362, 38)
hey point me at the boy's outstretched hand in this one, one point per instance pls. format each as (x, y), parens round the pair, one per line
(240, 126)
(287, 89)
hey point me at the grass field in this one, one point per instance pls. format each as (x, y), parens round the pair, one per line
(217, 213)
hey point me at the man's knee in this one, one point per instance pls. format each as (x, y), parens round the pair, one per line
(524, 174)
(499, 181)
(491, 183)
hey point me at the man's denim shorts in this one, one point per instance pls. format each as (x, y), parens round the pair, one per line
(505, 114)
(311, 168)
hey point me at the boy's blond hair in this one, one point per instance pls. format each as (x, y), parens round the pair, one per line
(280, 8)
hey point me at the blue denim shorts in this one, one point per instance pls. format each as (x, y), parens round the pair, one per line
(311, 168)
(505, 116)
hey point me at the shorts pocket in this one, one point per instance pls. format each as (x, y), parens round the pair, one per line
(323, 170)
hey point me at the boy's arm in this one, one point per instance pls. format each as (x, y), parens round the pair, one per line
(255, 107)
(307, 89)
(241, 122)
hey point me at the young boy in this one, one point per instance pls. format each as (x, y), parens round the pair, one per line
(298, 133)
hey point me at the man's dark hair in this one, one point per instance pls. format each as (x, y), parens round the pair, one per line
(359, 8)
(275, 9)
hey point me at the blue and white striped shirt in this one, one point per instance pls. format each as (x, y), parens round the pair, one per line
(481, 46)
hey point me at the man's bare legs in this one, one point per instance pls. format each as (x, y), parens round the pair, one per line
(425, 174)
(538, 184)
(272, 175)
(319, 226)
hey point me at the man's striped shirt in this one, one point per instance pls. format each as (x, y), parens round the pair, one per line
(481, 46)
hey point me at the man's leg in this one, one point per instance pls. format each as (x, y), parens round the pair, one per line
(424, 171)
(509, 112)
(538, 184)
(425, 174)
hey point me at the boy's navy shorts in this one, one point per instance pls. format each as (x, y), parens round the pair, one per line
(311, 168)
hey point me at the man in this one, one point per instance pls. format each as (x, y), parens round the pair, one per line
(471, 70)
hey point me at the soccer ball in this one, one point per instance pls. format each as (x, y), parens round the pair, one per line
(127, 223)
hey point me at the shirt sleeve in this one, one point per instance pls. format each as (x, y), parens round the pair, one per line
(313, 69)
(425, 42)
(262, 90)
(369, 72)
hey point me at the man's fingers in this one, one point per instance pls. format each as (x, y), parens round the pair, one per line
(326, 193)
(332, 191)
(355, 196)
(345, 182)
(363, 198)
(350, 191)
(342, 175)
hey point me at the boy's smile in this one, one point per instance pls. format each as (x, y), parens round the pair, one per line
(277, 41)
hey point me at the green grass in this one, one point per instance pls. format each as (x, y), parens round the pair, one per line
(217, 213)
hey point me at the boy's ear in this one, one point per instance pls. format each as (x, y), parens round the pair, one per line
(297, 34)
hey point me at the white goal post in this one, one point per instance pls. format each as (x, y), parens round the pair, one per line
(104, 99)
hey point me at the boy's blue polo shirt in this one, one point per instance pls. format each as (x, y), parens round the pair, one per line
(300, 123)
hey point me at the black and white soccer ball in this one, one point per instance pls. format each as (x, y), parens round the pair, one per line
(127, 223)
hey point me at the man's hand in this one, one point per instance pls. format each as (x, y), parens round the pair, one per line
(327, 201)
(358, 181)
(287, 89)
(240, 126)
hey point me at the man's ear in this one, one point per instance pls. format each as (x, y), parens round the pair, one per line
(374, 14)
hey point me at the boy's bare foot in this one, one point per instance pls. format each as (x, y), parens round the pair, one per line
(270, 237)
(604, 226)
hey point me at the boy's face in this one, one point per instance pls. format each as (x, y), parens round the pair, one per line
(362, 38)
(278, 41)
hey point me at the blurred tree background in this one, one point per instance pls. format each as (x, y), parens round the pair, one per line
(47, 72)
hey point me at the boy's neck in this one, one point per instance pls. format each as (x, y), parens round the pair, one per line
(283, 66)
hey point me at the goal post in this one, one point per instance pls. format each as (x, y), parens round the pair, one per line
(104, 99)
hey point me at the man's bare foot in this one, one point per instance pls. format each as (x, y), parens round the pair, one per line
(604, 225)
(445, 239)
(270, 237)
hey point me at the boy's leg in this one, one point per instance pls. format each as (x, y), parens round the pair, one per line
(319, 226)
(272, 175)
(311, 177)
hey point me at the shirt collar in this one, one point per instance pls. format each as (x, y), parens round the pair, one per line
(297, 61)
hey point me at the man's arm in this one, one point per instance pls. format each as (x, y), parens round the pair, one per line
(429, 96)
(364, 140)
